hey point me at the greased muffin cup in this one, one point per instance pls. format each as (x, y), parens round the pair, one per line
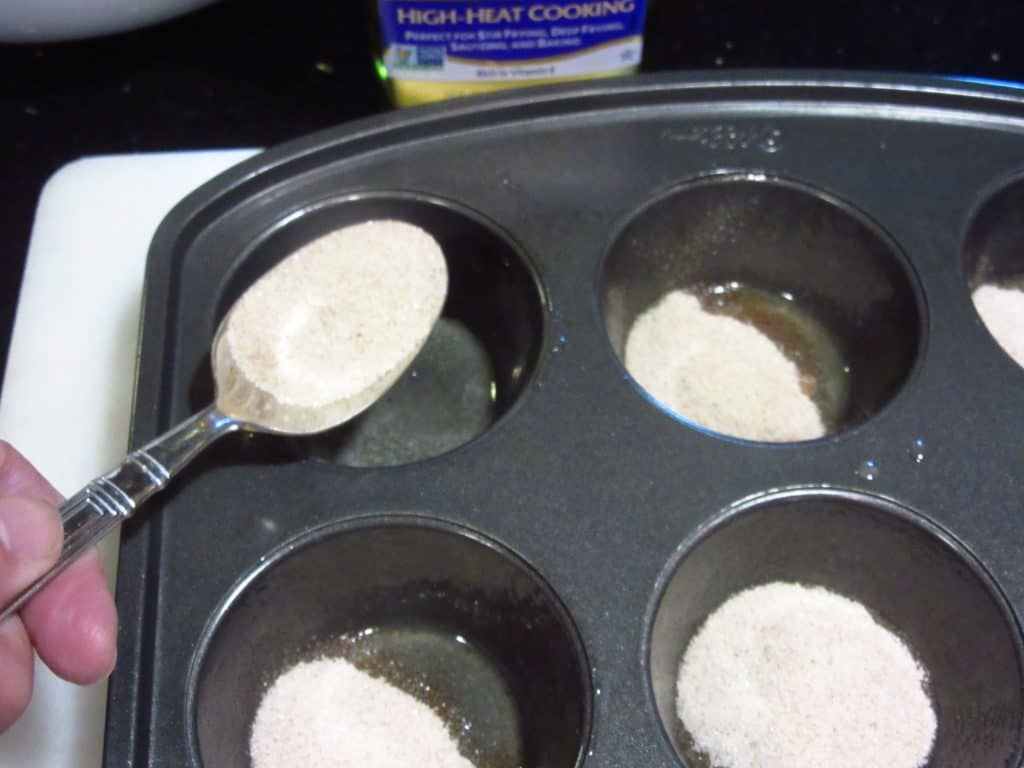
(853, 302)
(913, 577)
(464, 620)
(475, 364)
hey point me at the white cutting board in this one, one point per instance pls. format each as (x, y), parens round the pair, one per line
(67, 392)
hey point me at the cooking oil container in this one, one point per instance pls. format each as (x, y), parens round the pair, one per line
(438, 49)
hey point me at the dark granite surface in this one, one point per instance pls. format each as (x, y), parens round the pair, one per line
(256, 72)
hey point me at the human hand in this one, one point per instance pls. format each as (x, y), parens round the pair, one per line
(72, 623)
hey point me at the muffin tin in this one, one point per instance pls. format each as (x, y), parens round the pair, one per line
(517, 489)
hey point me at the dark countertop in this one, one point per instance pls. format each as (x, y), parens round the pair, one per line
(257, 72)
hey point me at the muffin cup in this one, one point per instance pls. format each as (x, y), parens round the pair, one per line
(447, 590)
(913, 577)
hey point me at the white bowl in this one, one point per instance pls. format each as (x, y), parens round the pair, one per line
(25, 21)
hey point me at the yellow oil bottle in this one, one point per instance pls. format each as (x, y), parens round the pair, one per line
(438, 49)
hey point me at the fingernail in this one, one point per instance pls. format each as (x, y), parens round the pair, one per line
(29, 529)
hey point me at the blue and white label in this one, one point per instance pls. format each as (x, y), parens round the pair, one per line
(467, 41)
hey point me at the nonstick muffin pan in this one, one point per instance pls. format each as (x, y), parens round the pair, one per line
(517, 489)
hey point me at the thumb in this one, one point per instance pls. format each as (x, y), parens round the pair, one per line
(31, 537)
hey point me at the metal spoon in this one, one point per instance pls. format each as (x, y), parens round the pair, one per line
(111, 499)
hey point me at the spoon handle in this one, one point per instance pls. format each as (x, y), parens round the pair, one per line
(112, 498)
